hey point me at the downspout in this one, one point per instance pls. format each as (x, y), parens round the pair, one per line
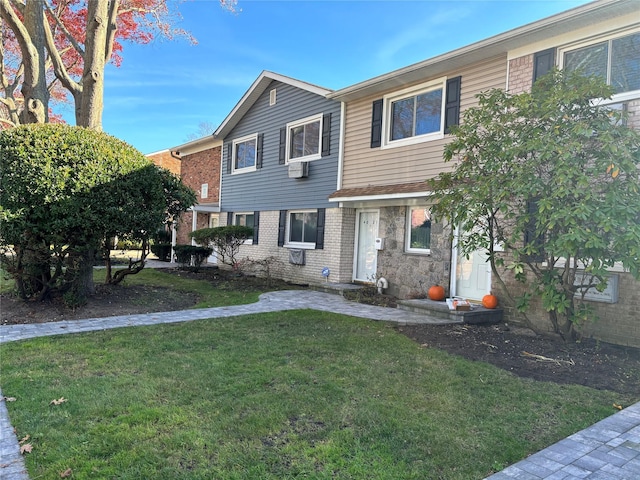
(343, 108)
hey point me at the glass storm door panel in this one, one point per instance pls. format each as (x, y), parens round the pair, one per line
(366, 253)
(473, 276)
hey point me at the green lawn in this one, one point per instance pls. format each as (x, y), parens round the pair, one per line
(300, 394)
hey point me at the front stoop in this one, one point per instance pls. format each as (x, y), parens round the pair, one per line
(477, 315)
(337, 288)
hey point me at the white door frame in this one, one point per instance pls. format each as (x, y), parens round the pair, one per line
(453, 278)
(356, 242)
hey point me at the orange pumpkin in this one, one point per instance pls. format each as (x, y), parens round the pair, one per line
(436, 293)
(490, 301)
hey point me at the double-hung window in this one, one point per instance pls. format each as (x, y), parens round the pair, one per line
(615, 59)
(302, 228)
(304, 139)
(245, 220)
(418, 230)
(415, 115)
(245, 154)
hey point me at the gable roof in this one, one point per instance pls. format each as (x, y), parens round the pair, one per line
(251, 96)
(579, 17)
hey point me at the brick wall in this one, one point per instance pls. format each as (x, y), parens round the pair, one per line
(337, 254)
(520, 74)
(203, 167)
(166, 160)
(198, 168)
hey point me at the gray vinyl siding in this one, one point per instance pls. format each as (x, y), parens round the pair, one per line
(270, 188)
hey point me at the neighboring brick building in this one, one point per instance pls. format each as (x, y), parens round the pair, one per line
(201, 171)
(166, 159)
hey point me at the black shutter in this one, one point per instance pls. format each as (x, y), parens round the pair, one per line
(376, 124)
(320, 229)
(326, 135)
(259, 150)
(282, 147)
(543, 62)
(229, 218)
(256, 227)
(282, 227)
(452, 103)
(530, 237)
(229, 159)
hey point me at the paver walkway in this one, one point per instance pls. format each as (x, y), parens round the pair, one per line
(609, 449)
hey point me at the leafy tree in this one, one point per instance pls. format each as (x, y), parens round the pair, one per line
(547, 183)
(225, 240)
(63, 192)
(52, 46)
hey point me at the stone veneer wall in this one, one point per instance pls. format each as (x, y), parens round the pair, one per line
(337, 254)
(410, 275)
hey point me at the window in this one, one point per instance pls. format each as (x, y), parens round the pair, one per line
(204, 190)
(244, 219)
(245, 154)
(418, 230)
(415, 115)
(616, 60)
(304, 139)
(302, 228)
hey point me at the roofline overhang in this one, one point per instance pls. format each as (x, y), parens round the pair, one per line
(377, 198)
(254, 92)
(206, 208)
(575, 18)
(197, 145)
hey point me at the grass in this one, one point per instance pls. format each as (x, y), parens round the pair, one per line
(223, 294)
(299, 394)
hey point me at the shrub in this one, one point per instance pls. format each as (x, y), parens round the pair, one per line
(191, 256)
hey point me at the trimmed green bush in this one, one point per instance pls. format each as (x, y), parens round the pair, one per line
(191, 256)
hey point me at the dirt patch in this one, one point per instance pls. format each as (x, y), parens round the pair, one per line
(590, 363)
(522, 352)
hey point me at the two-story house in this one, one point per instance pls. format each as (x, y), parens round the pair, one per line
(280, 162)
(396, 125)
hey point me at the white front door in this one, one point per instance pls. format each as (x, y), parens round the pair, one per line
(366, 253)
(473, 276)
(213, 222)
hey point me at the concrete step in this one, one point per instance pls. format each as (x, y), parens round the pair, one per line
(477, 315)
(337, 288)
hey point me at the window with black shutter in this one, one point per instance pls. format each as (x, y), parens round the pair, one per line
(543, 62)
(376, 124)
(452, 105)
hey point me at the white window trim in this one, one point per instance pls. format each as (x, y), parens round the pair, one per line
(407, 240)
(297, 123)
(204, 190)
(301, 245)
(616, 98)
(440, 83)
(247, 138)
(248, 241)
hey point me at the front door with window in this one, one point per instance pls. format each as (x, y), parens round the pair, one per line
(366, 253)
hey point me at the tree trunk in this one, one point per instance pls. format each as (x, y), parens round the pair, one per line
(91, 104)
(30, 37)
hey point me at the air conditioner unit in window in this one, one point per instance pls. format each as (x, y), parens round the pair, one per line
(299, 170)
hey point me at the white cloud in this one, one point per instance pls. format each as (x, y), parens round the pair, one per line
(436, 25)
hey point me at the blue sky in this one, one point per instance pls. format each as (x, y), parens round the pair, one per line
(164, 90)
